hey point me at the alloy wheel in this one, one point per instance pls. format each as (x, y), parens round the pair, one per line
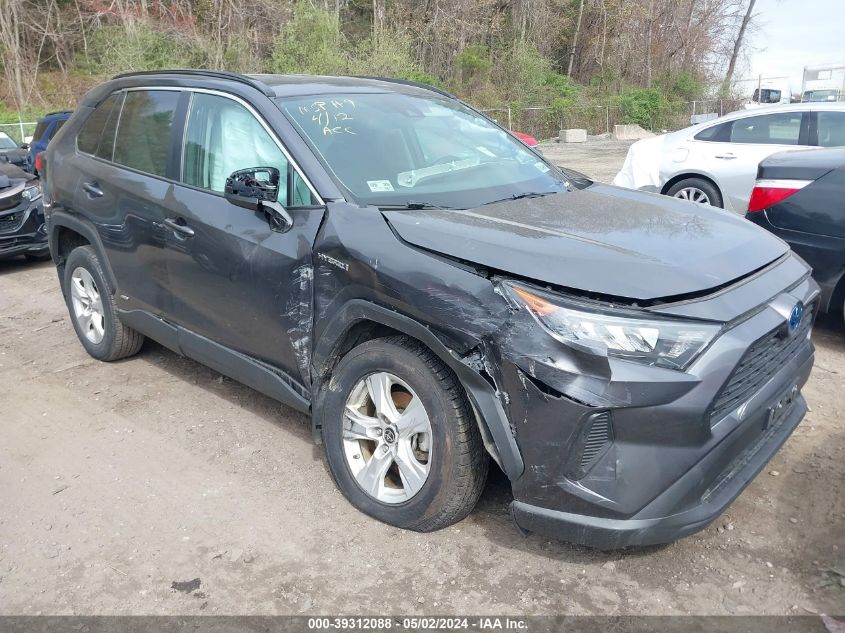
(87, 305)
(387, 438)
(693, 194)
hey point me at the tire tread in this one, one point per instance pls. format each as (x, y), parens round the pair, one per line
(473, 462)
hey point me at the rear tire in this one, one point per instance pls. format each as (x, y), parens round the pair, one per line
(697, 190)
(92, 309)
(447, 448)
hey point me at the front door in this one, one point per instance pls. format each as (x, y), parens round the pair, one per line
(235, 280)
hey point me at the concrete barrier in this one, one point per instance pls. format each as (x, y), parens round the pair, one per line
(573, 136)
(630, 132)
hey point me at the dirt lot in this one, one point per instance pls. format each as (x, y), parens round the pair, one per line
(118, 479)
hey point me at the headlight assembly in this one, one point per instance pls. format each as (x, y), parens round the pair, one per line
(651, 341)
(32, 192)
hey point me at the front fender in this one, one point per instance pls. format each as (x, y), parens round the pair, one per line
(493, 421)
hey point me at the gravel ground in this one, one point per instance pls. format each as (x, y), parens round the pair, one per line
(122, 483)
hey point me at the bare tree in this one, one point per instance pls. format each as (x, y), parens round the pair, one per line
(737, 47)
(575, 38)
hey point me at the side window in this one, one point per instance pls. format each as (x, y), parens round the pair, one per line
(221, 137)
(143, 135)
(782, 128)
(39, 130)
(713, 133)
(831, 129)
(97, 134)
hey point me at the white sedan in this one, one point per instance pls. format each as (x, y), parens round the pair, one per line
(716, 162)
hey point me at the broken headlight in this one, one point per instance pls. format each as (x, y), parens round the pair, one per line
(650, 341)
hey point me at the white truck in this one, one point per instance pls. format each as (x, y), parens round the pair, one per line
(824, 83)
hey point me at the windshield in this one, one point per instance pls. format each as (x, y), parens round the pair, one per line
(820, 95)
(395, 149)
(766, 95)
(6, 142)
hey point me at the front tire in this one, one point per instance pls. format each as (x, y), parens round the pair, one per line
(401, 440)
(697, 190)
(93, 311)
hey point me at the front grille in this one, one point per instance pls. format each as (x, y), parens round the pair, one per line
(763, 360)
(11, 221)
(598, 437)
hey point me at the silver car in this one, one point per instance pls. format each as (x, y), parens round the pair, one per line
(716, 162)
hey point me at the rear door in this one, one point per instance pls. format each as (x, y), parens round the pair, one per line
(127, 156)
(739, 146)
(827, 128)
(235, 280)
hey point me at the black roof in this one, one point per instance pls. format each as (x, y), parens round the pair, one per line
(299, 85)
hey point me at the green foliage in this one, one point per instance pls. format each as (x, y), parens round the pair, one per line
(683, 86)
(310, 43)
(643, 106)
(561, 86)
(114, 50)
(391, 55)
(8, 114)
(474, 61)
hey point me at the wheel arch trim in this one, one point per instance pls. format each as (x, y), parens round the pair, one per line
(690, 174)
(489, 412)
(62, 219)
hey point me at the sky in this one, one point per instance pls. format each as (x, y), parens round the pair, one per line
(791, 34)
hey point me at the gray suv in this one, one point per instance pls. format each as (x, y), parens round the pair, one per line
(434, 294)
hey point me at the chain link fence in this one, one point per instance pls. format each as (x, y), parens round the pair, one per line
(545, 123)
(18, 132)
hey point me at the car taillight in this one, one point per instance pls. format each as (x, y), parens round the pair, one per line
(39, 163)
(767, 193)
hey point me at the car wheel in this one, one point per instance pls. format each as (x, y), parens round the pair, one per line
(401, 439)
(93, 311)
(696, 190)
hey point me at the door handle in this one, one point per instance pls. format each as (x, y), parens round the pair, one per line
(180, 228)
(726, 156)
(92, 189)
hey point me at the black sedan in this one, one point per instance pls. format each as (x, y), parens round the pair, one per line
(800, 197)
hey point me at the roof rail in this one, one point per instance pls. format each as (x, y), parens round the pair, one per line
(217, 74)
(408, 82)
(57, 112)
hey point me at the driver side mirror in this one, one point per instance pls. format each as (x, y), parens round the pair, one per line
(24, 145)
(257, 189)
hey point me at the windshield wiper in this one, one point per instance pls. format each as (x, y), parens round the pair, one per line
(415, 204)
(520, 196)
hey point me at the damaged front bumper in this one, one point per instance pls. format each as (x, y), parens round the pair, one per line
(619, 454)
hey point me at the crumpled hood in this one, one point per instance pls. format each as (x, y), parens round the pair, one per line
(603, 240)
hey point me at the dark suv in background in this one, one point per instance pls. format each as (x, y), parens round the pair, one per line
(46, 128)
(434, 293)
(22, 229)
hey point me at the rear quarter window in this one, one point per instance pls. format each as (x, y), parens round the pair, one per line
(712, 133)
(39, 130)
(830, 129)
(97, 134)
(143, 134)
